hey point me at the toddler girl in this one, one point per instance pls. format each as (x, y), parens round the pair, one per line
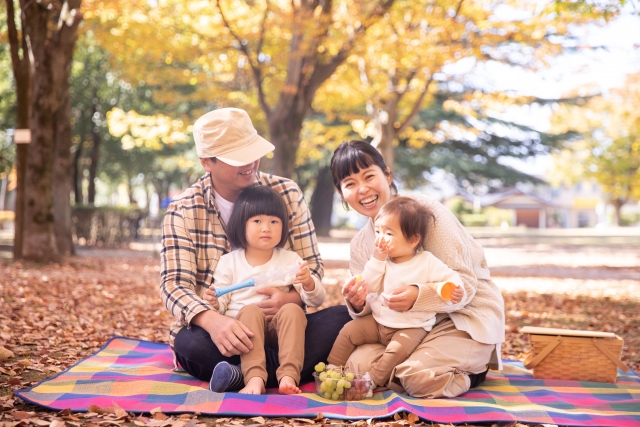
(401, 229)
(258, 229)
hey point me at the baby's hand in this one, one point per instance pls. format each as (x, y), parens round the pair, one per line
(383, 247)
(210, 297)
(304, 278)
(457, 294)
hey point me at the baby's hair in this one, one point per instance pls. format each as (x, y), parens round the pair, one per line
(254, 201)
(414, 218)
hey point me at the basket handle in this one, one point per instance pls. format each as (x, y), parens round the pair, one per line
(529, 364)
(611, 356)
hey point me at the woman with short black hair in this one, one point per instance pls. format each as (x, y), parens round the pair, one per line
(464, 342)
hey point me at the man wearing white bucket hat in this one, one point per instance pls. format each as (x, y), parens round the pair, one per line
(194, 239)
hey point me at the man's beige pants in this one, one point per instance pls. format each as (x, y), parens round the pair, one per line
(399, 343)
(438, 367)
(286, 328)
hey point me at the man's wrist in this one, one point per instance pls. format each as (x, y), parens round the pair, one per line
(205, 319)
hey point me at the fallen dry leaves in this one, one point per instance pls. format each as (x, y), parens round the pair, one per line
(54, 315)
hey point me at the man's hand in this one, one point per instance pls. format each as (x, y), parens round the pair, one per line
(403, 298)
(211, 297)
(231, 336)
(303, 277)
(355, 292)
(277, 298)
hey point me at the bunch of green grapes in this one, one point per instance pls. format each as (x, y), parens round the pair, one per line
(339, 384)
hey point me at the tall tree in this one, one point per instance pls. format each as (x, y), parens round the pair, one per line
(314, 54)
(52, 30)
(270, 57)
(397, 63)
(320, 137)
(95, 89)
(22, 74)
(609, 150)
(7, 108)
(61, 182)
(460, 134)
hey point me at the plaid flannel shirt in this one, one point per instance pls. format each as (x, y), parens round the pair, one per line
(194, 239)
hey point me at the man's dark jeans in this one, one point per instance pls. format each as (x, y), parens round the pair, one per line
(198, 355)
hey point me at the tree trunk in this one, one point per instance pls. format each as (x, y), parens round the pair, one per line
(384, 119)
(3, 192)
(158, 186)
(322, 202)
(284, 133)
(385, 144)
(617, 205)
(22, 74)
(52, 53)
(387, 121)
(76, 177)
(95, 154)
(132, 200)
(61, 171)
(22, 153)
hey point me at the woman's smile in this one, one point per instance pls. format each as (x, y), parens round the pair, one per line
(369, 202)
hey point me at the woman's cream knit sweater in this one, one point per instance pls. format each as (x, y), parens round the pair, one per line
(483, 316)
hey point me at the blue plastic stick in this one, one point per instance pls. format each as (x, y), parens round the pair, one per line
(245, 284)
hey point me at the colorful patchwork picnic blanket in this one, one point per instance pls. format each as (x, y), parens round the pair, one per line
(138, 376)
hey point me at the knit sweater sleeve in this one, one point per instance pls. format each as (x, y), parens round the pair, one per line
(451, 244)
(360, 253)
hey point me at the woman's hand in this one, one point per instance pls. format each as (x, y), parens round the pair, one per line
(355, 292)
(403, 298)
(211, 297)
(303, 277)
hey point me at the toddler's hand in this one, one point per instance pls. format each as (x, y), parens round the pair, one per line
(304, 278)
(457, 294)
(210, 297)
(383, 247)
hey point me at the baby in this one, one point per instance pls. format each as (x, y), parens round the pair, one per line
(399, 259)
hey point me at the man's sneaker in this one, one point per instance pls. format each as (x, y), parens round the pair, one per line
(226, 377)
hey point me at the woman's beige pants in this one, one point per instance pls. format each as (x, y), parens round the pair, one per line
(438, 367)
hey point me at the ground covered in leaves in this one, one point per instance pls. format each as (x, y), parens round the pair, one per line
(54, 315)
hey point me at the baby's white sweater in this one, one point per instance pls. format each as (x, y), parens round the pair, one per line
(234, 268)
(383, 277)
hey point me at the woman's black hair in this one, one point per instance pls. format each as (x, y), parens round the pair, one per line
(254, 201)
(350, 157)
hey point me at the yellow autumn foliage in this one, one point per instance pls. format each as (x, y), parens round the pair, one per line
(146, 131)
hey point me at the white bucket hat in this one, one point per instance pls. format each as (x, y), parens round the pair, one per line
(228, 134)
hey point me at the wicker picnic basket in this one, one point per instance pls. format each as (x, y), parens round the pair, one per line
(574, 355)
